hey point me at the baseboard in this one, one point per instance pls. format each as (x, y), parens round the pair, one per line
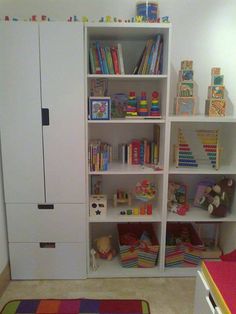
(4, 279)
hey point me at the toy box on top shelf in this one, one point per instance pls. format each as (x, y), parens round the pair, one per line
(183, 245)
(215, 104)
(185, 100)
(138, 244)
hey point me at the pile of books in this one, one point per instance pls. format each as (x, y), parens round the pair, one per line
(139, 152)
(106, 60)
(99, 155)
(151, 59)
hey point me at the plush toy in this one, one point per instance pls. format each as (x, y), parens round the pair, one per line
(104, 248)
(218, 198)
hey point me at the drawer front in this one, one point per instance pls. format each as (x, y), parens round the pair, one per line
(201, 292)
(63, 223)
(64, 261)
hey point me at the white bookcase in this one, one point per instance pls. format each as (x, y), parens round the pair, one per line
(133, 38)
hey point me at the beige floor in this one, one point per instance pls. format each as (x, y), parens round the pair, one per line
(165, 295)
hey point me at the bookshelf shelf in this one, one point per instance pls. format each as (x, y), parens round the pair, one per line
(129, 77)
(133, 39)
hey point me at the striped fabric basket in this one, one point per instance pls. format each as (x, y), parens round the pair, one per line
(187, 254)
(138, 254)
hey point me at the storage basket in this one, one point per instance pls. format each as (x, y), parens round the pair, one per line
(186, 253)
(138, 254)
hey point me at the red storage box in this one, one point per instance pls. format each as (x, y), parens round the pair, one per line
(139, 253)
(188, 251)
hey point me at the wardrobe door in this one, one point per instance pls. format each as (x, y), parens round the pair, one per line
(20, 113)
(62, 75)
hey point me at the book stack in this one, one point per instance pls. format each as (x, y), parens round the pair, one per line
(106, 60)
(215, 104)
(185, 101)
(151, 59)
(99, 155)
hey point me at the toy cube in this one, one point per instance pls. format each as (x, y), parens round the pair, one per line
(185, 89)
(217, 79)
(185, 106)
(98, 205)
(185, 75)
(216, 92)
(187, 65)
(215, 71)
(215, 107)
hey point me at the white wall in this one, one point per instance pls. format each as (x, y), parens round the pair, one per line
(3, 236)
(203, 31)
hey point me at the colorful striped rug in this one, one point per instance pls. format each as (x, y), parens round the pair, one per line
(76, 306)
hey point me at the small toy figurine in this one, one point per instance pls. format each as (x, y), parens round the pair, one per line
(93, 260)
(104, 248)
(84, 19)
(108, 19)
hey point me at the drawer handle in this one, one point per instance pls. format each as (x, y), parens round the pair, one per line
(47, 245)
(45, 206)
(45, 116)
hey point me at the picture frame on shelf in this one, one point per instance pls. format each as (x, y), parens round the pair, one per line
(99, 108)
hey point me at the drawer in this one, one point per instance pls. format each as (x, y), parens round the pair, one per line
(201, 293)
(64, 261)
(63, 223)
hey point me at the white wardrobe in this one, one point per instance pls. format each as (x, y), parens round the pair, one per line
(42, 117)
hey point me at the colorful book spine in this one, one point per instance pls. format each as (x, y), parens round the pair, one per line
(100, 57)
(155, 54)
(120, 59)
(109, 60)
(104, 61)
(115, 60)
(92, 61)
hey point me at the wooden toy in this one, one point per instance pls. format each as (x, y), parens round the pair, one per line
(186, 65)
(185, 89)
(97, 205)
(93, 260)
(185, 106)
(215, 105)
(216, 92)
(131, 110)
(43, 18)
(34, 18)
(121, 197)
(215, 108)
(7, 18)
(143, 106)
(99, 108)
(206, 147)
(138, 19)
(215, 71)
(185, 100)
(217, 80)
(165, 19)
(155, 106)
(185, 75)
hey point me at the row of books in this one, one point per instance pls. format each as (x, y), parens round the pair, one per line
(106, 60)
(99, 155)
(139, 152)
(151, 59)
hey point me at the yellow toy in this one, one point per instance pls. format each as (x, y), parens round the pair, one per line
(104, 248)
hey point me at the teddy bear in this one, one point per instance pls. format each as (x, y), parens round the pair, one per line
(104, 248)
(218, 198)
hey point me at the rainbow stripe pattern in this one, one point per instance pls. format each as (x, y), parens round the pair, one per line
(76, 306)
(185, 156)
(209, 140)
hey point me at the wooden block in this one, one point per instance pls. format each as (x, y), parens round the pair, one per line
(215, 71)
(185, 75)
(185, 89)
(186, 65)
(217, 80)
(216, 92)
(185, 106)
(215, 107)
(98, 205)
